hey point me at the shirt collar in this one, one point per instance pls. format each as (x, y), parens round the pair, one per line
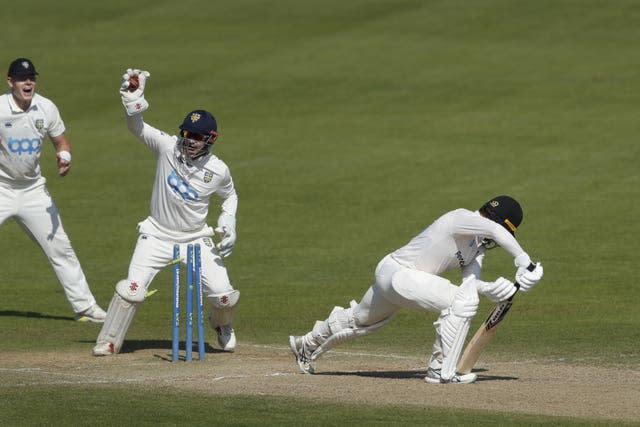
(16, 109)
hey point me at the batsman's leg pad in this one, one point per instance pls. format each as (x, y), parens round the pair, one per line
(119, 317)
(343, 327)
(223, 307)
(454, 325)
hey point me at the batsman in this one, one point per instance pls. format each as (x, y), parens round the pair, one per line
(187, 176)
(410, 277)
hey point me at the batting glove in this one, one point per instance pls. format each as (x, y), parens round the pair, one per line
(500, 290)
(527, 277)
(132, 91)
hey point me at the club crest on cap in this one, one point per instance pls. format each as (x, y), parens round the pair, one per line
(195, 117)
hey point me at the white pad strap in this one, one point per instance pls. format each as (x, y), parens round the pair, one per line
(223, 308)
(455, 325)
(120, 314)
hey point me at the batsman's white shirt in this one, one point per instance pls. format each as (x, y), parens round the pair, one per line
(22, 134)
(181, 192)
(455, 240)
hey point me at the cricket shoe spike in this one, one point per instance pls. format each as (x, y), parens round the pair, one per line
(434, 377)
(303, 355)
(93, 314)
(103, 349)
(226, 338)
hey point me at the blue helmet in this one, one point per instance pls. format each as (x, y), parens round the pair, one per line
(198, 126)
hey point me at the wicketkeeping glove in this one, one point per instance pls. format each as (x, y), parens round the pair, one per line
(132, 91)
(227, 229)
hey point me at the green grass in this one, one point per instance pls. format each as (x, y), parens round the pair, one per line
(79, 406)
(348, 127)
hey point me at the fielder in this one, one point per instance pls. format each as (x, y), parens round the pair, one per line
(187, 175)
(409, 278)
(26, 119)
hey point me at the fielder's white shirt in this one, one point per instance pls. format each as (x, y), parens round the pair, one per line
(455, 240)
(181, 192)
(22, 134)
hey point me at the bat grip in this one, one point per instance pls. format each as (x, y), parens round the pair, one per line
(530, 267)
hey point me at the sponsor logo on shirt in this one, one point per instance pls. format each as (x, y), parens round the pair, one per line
(181, 187)
(24, 145)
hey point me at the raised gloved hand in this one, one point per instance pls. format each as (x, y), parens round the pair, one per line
(499, 290)
(527, 277)
(132, 91)
(227, 230)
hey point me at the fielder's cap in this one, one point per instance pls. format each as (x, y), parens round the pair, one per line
(504, 210)
(22, 67)
(201, 122)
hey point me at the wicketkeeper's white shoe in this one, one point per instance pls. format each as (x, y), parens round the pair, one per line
(93, 314)
(303, 355)
(226, 338)
(434, 377)
(103, 349)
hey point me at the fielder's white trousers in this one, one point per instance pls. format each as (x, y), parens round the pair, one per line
(398, 287)
(35, 211)
(152, 255)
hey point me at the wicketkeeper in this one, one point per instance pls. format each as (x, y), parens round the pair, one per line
(187, 175)
(410, 277)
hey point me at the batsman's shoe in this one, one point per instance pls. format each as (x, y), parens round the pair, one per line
(103, 349)
(303, 355)
(434, 377)
(226, 338)
(93, 314)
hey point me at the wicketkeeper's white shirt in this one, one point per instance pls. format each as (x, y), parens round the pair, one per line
(181, 192)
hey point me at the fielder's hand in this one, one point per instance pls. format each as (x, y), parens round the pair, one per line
(132, 91)
(528, 277)
(227, 229)
(500, 290)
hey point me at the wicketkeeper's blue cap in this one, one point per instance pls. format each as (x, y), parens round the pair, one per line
(201, 122)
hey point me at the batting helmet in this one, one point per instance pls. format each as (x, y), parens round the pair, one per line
(504, 210)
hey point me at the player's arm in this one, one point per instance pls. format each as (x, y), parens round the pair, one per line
(63, 153)
(473, 224)
(226, 225)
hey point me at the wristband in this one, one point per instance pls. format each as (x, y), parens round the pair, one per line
(64, 155)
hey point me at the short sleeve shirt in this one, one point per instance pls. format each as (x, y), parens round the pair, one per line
(22, 134)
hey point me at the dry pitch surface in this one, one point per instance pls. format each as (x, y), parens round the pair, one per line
(530, 387)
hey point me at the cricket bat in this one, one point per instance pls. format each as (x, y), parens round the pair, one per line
(484, 334)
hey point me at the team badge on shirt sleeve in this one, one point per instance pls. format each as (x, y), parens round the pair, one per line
(208, 176)
(39, 124)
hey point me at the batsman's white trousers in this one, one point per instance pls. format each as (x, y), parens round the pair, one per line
(398, 287)
(35, 211)
(152, 255)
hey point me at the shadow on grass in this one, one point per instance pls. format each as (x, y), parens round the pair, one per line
(378, 374)
(131, 346)
(34, 314)
(411, 375)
